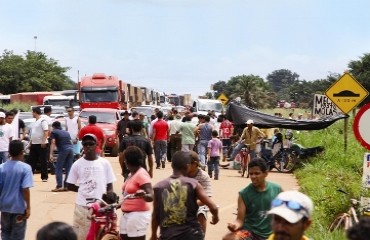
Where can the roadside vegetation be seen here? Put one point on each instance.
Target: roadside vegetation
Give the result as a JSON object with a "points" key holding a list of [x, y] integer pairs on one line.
{"points": [[23, 107], [320, 177]]}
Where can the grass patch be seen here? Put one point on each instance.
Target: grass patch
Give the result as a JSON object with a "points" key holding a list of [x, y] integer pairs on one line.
{"points": [[321, 176]]}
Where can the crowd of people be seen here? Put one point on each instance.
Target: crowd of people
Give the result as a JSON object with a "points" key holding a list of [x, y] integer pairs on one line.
{"points": [[181, 202]]}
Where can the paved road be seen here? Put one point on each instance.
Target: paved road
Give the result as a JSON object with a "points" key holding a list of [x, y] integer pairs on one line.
{"points": [[47, 206]]}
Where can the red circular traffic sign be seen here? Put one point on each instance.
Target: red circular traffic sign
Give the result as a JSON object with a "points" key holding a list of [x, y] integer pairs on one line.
{"points": [[361, 126]]}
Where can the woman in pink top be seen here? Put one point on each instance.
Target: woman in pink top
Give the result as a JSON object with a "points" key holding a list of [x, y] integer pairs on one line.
{"points": [[136, 215]]}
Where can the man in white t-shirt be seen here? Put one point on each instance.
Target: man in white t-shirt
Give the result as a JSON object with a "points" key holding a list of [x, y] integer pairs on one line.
{"points": [[6, 135], [90, 176], [39, 144], [73, 126]]}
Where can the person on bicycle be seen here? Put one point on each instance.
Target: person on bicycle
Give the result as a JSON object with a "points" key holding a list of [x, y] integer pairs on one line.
{"points": [[252, 222], [251, 136], [96, 216], [291, 213], [136, 211]]}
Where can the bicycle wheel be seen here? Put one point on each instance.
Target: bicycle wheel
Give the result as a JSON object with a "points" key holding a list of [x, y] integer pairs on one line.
{"points": [[242, 164], [341, 222], [285, 161], [247, 156]]}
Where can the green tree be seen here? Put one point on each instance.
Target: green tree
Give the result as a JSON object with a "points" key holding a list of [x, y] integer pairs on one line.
{"points": [[33, 72], [220, 87], [360, 69], [253, 91], [281, 80]]}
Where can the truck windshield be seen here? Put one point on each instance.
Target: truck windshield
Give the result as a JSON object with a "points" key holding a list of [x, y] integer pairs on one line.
{"points": [[101, 117], [209, 106], [57, 102], [100, 96]]}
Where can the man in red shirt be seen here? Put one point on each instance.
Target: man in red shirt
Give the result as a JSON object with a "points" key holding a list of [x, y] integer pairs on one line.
{"points": [[97, 131], [226, 130], [160, 138]]}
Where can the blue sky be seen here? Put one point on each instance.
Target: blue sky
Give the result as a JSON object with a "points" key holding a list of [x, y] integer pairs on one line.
{"points": [[184, 46]]}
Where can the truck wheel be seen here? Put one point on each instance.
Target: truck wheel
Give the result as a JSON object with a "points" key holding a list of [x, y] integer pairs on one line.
{"points": [[114, 151]]}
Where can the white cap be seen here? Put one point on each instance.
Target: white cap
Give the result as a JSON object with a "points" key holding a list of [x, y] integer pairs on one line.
{"points": [[2, 115], [250, 121], [289, 214]]}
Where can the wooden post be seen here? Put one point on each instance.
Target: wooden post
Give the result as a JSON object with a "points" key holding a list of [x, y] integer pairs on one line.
{"points": [[345, 133]]}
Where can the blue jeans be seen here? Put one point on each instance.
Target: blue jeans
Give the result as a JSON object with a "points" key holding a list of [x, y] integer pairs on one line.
{"points": [[160, 151], [213, 164], [202, 151], [3, 157], [237, 149], [10, 229], [64, 160]]}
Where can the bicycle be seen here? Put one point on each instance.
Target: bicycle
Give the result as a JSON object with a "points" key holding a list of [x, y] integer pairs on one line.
{"points": [[347, 219], [243, 157], [104, 219], [285, 160]]}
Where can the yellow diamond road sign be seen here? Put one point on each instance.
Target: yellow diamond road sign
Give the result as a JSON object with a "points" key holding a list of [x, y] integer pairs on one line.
{"points": [[346, 93], [223, 98]]}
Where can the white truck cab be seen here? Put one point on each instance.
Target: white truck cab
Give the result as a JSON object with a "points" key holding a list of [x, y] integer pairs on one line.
{"points": [[58, 100], [202, 106]]}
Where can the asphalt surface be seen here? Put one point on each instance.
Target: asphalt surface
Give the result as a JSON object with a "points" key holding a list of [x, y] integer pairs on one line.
{"points": [[47, 206]]}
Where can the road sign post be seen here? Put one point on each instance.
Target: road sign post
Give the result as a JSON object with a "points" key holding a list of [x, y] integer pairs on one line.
{"points": [[346, 93]]}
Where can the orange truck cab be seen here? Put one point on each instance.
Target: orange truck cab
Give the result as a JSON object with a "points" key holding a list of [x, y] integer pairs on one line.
{"points": [[101, 91]]}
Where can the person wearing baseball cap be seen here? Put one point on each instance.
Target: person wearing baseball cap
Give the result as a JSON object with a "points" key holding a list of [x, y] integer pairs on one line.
{"points": [[291, 213], [250, 136], [90, 176]]}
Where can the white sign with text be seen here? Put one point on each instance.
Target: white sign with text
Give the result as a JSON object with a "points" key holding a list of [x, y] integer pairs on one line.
{"points": [[366, 171], [324, 107]]}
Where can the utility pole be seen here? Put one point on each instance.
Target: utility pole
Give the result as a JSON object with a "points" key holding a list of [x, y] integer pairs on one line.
{"points": [[35, 37]]}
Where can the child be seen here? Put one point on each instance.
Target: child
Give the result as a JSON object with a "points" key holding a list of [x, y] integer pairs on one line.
{"points": [[99, 218], [214, 153], [15, 182]]}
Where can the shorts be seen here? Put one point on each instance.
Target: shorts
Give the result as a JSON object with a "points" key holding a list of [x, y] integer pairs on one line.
{"points": [[135, 224], [247, 235], [203, 210], [81, 224]]}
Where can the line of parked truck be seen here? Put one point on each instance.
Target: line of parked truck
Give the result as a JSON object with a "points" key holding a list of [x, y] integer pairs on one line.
{"points": [[100, 91], [105, 91]]}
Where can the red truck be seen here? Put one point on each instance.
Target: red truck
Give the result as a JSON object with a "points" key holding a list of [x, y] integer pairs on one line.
{"points": [[101, 91], [34, 98]]}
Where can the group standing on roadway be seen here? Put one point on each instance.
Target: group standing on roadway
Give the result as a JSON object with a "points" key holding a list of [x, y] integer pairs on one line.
{"points": [[181, 202]]}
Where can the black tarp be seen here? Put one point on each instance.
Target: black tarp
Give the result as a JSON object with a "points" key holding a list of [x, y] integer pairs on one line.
{"points": [[239, 114]]}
